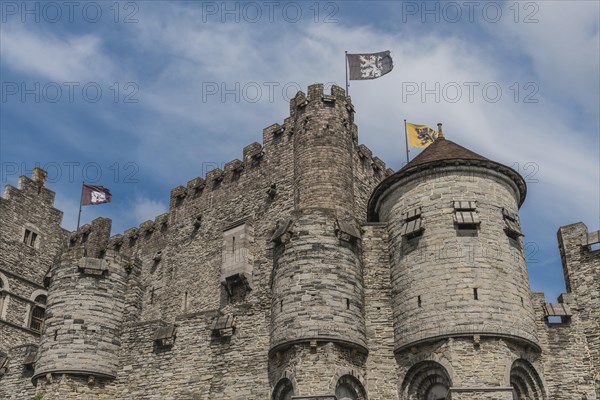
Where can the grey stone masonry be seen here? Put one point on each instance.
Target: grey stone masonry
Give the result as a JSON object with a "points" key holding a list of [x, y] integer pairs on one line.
{"points": [[317, 285], [451, 281], [581, 266], [86, 309], [302, 270]]}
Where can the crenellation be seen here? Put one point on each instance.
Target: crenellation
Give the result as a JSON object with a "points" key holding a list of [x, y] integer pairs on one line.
{"points": [[233, 167], [215, 176], [252, 151], [305, 270]]}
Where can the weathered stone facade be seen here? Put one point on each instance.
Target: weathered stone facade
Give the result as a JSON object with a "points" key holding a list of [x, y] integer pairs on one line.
{"points": [[306, 270]]}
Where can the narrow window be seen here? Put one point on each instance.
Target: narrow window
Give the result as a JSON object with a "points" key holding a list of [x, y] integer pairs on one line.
{"points": [[233, 245], [465, 215], [30, 238], [38, 313], [475, 294], [522, 303], [1, 297], [347, 304], [511, 224], [281, 305], [412, 223], [419, 300]]}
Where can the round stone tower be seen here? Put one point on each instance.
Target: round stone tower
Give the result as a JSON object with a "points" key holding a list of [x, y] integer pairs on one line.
{"points": [[317, 286], [458, 271], [86, 309]]}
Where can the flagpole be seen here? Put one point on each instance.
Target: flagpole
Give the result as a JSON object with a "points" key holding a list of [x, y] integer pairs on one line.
{"points": [[80, 201], [406, 140], [346, 67]]}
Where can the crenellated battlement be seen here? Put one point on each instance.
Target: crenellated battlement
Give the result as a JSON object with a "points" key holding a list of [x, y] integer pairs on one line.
{"points": [[311, 299], [317, 98], [307, 112], [93, 238], [33, 188]]}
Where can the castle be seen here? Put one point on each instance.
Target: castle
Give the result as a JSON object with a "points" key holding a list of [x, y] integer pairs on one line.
{"points": [[306, 270]]}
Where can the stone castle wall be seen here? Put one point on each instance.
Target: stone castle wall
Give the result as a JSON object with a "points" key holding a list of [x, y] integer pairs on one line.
{"points": [[265, 280]]}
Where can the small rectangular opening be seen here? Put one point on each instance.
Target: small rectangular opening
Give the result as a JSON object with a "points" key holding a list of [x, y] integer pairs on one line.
{"points": [[347, 304], [554, 320], [419, 301], [30, 238], [475, 294]]}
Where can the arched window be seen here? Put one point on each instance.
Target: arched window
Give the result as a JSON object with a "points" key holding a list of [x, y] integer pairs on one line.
{"points": [[284, 390], [38, 313], [349, 388], [525, 381], [426, 380]]}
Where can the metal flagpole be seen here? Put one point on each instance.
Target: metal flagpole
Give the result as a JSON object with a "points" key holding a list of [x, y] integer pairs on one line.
{"points": [[406, 140], [346, 65], [80, 201]]}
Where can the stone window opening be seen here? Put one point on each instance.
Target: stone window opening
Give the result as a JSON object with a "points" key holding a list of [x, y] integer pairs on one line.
{"points": [[284, 390], [475, 294], [412, 223], [38, 314], [512, 226], [526, 382], [30, 238], [465, 215], [426, 380], [419, 303], [350, 388], [347, 304]]}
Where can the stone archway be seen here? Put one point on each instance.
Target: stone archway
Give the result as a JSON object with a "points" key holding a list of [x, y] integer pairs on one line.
{"points": [[349, 388], [526, 382], [284, 390], [426, 380]]}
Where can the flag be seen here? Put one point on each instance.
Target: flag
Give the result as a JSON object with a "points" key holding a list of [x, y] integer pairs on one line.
{"points": [[93, 195], [370, 65], [420, 135]]}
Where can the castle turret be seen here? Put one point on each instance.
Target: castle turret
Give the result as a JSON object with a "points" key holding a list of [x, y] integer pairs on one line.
{"points": [[86, 308], [459, 276], [317, 281]]}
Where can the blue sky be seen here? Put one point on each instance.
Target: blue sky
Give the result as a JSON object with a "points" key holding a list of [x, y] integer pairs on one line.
{"points": [[130, 95]]}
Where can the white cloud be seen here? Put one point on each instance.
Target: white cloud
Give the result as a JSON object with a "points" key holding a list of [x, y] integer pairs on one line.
{"points": [[144, 209], [47, 56], [563, 48]]}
